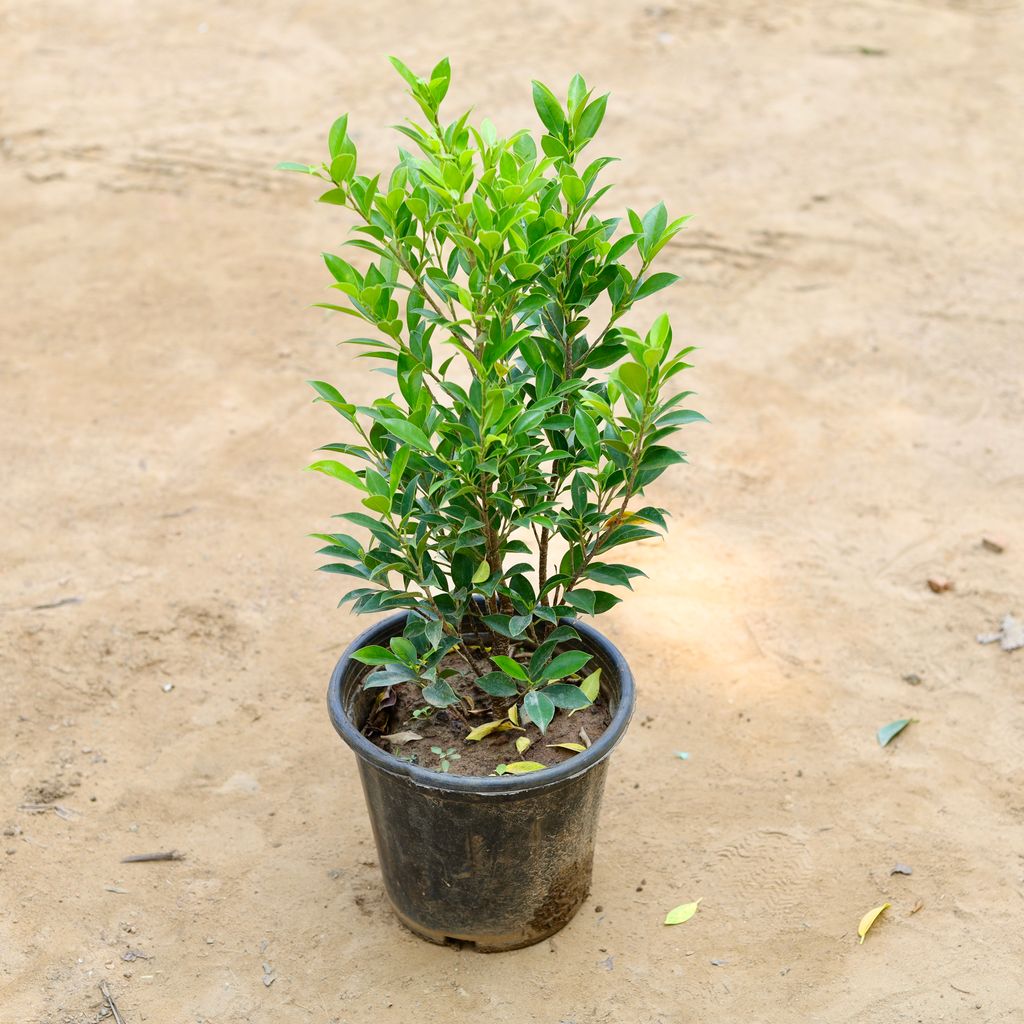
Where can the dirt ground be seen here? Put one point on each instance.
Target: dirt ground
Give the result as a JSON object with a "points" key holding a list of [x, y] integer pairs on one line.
{"points": [[853, 277]]}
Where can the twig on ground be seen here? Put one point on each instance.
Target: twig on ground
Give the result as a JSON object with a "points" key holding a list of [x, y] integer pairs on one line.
{"points": [[56, 604], [118, 1019], [141, 858]]}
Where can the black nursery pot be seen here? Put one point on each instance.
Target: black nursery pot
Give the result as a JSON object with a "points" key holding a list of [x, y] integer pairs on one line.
{"points": [[502, 861]]}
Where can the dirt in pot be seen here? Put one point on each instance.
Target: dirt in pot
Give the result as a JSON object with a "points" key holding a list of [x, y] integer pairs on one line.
{"points": [[392, 727]]}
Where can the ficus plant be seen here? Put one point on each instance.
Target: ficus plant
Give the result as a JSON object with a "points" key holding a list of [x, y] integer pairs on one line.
{"points": [[504, 469]]}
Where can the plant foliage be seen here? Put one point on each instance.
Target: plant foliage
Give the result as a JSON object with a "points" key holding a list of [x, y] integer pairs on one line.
{"points": [[502, 474]]}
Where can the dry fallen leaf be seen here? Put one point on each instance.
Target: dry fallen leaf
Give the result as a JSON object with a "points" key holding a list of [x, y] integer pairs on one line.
{"points": [[939, 584], [917, 906], [488, 727], [901, 869], [869, 919], [682, 913], [993, 544], [523, 744], [576, 748], [403, 737]]}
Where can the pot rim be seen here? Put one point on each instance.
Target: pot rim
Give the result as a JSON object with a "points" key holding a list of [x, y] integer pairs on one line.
{"points": [[500, 785]]}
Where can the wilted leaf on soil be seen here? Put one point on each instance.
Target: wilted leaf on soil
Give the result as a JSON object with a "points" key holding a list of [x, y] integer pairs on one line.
{"points": [[523, 744], [887, 732], [869, 919], [677, 915], [487, 728], [403, 737], [519, 768], [901, 869], [576, 748]]}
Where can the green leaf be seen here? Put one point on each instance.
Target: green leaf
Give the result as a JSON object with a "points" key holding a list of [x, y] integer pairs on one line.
{"points": [[572, 188], [591, 119], [375, 655], [682, 913], [583, 600], [508, 625], [565, 665], [335, 196], [654, 222], [331, 468], [655, 283], [634, 376], [497, 684], [893, 729], [410, 78], [591, 686], [680, 417], [540, 709], [404, 649], [408, 432], [586, 432], [338, 133], [287, 165], [548, 108], [659, 457], [440, 695], [659, 330], [483, 572], [392, 675], [567, 696], [509, 666]]}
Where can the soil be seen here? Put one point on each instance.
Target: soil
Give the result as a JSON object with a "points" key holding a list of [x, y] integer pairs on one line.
{"points": [[479, 757], [853, 279]]}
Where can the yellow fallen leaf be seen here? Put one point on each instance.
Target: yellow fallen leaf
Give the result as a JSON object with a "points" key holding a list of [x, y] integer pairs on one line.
{"points": [[869, 919], [522, 767], [523, 744], [576, 748], [487, 728], [513, 714], [677, 915]]}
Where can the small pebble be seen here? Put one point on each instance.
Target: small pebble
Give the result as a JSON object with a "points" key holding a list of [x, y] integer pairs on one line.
{"points": [[167, 687]]}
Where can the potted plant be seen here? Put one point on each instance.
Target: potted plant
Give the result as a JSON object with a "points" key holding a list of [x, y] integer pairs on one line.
{"points": [[500, 475]]}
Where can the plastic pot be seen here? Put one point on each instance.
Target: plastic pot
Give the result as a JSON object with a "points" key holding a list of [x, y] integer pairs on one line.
{"points": [[502, 861]]}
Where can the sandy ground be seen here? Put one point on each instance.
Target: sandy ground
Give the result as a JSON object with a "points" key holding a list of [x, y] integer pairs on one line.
{"points": [[854, 280]]}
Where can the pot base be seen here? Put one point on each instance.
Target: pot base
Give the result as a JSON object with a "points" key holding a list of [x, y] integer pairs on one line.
{"points": [[490, 943]]}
